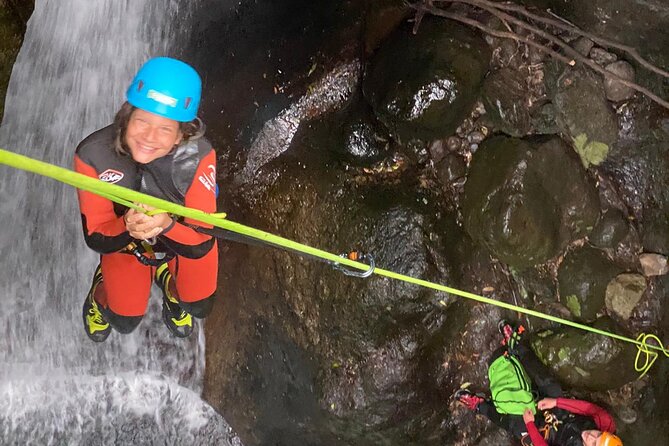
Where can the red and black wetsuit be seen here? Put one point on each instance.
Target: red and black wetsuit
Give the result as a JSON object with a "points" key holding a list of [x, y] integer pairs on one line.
{"points": [[186, 176], [573, 416]]}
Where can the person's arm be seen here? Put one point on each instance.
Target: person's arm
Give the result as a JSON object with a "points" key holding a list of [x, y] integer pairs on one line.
{"points": [[183, 239], [532, 431], [603, 420], [535, 436], [104, 231]]}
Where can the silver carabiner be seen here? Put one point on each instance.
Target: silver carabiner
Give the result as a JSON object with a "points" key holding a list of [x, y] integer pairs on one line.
{"points": [[356, 273]]}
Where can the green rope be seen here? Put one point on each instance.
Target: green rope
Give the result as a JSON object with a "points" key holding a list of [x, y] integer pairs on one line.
{"points": [[128, 197]]}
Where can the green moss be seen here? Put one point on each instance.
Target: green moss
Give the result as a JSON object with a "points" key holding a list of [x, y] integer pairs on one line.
{"points": [[591, 152], [573, 304], [563, 354]]}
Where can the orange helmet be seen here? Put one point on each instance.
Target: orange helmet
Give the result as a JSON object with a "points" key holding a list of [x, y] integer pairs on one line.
{"points": [[608, 439]]}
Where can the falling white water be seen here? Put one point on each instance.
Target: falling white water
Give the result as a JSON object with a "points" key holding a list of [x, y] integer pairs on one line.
{"points": [[57, 386]]}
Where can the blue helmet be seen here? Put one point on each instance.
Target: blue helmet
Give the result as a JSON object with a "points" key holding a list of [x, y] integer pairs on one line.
{"points": [[166, 87]]}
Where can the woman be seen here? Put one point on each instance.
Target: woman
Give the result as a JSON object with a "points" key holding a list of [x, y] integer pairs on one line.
{"points": [[155, 146], [563, 421]]}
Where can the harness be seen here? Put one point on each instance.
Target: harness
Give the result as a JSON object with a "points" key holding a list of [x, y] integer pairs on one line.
{"points": [[140, 248], [552, 423]]}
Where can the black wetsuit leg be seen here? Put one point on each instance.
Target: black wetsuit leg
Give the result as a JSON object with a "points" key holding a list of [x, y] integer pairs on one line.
{"points": [[542, 379], [513, 424]]}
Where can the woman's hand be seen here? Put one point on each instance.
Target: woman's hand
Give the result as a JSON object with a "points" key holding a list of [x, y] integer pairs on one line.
{"points": [[528, 416], [547, 403], [144, 227]]}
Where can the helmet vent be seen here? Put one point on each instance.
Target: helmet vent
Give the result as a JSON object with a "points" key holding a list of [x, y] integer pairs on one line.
{"points": [[140, 85], [187, 102]]}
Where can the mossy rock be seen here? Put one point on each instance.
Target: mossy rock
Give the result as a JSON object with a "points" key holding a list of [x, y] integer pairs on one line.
{"points": [[611, 228], [587, 360], [584, 114], [517, 209], [582, 279]]}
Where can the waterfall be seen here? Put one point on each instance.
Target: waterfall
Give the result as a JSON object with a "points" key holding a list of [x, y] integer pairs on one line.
{"points": [[57, 386]]}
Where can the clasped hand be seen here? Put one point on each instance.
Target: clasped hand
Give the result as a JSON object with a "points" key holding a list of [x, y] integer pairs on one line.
{"points": [[142, 226], [544, 404]]}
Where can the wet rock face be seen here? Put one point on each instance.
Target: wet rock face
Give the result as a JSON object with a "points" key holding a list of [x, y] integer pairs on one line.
{"points": [[616, 91], [353, 134], [312, 346], [623, 294], [517, 211], [584, 114], [422, 86], [638, 23], [586, 360], [582, 280], [611, 228], [641, 171], [383, 16], [504, 96], [13, 19]]}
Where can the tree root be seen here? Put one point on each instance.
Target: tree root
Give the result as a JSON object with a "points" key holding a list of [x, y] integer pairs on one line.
{"points": [[497, 9]]}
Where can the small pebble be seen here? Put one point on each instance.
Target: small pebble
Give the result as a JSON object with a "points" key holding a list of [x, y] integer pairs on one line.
{"points": [[583, 45], [476, 137], [453, 143], [602, 57]]}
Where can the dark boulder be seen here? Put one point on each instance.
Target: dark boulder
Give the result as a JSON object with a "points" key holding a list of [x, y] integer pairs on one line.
{"points": [[520, 213], [587, 360], [582, 278], [422, 86]]}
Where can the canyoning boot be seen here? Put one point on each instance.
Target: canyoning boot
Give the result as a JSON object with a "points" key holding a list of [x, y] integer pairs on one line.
{"points": [[97, 328], [179, 322], [510, 334], [468, 399]]}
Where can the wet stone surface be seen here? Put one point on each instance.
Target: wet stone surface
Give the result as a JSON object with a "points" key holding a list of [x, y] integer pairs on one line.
{"points": [[312, 357], [586, 360], [421, 86], [611, 228], [583, 113], [583, 277], [523, 216], [624, 293], [505, 95]]}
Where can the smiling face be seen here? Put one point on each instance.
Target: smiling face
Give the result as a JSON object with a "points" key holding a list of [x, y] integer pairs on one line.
{"points": [[150, 136], [590, 438]]}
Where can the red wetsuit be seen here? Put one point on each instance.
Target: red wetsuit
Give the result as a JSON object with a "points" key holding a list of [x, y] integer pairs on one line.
{"points": [[186, 176], [603, 422]]}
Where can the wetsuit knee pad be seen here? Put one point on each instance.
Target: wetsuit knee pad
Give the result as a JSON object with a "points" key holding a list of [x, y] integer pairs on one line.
{"points": [[199, 309], [122, 324]]}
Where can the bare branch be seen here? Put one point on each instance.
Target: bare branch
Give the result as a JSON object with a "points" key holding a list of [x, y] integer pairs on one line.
{"points": [[575, 55], [492, 32], [563, 25]]}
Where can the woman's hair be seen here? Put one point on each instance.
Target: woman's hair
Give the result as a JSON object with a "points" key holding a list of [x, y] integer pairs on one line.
{"points": [[192, 130]]}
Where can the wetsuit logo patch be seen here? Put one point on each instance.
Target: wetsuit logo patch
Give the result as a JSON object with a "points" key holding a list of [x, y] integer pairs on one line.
{"points": [[208, 179], [111, 176]]}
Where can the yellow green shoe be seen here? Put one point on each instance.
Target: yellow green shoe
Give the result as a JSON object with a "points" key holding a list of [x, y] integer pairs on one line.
{"points": [[178, 321], [95, 325]]}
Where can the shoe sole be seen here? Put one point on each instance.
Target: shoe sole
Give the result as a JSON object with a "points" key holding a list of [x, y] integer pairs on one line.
{"points": [[93, 337], [167, 319], [84, 311]]}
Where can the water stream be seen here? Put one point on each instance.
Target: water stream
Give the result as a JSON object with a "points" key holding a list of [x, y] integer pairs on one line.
{"points": [[57, 386]]}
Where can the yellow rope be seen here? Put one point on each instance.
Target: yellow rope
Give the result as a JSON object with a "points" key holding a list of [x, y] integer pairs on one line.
{"points": [[129, 197], [650, 356]]}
